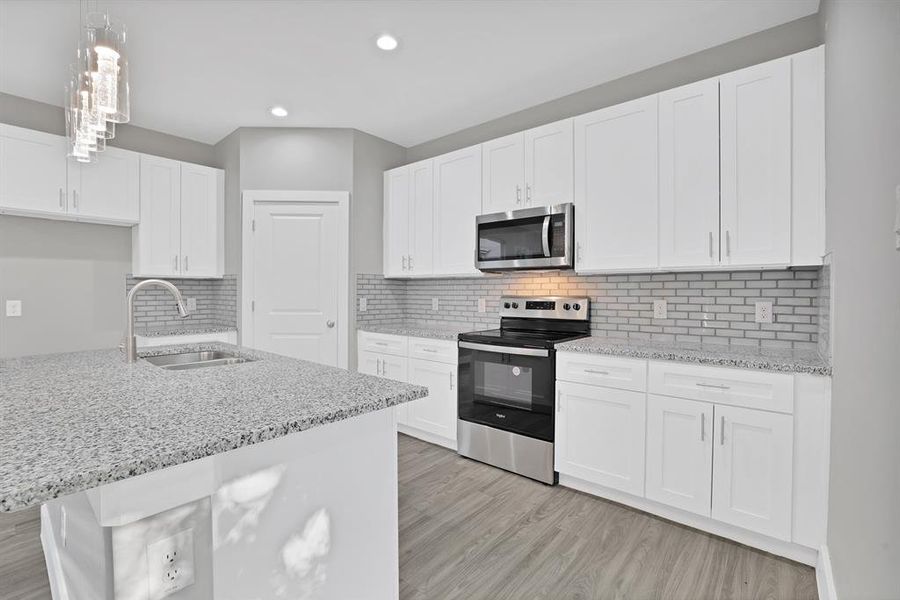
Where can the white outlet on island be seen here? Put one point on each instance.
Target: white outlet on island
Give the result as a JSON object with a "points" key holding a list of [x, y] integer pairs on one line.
{"points": [[170, 564]]}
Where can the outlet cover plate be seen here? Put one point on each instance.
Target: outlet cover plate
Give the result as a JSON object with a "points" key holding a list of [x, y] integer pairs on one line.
{"points": [[192, 304], [363, 304], [763, 312], [482, 305], [434, 304], [170, 564], [660, 309], [13, 308]]}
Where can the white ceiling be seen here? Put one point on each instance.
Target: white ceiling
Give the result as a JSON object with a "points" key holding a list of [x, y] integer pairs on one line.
{"points": [[201, 68]]}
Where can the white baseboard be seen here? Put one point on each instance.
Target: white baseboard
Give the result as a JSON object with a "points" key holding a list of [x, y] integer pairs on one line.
{"points": [[427, 437], [825, 576]]}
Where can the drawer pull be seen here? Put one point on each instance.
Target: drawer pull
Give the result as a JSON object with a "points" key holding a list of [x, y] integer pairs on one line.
{"points": [[715, 386], [596, 372], [702, 426], [722, 432], [432, 350], [385, 344]]}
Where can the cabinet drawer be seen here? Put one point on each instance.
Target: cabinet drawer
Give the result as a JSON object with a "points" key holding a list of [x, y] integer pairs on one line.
{"points": [[735, 387], [383, 343], [597, 369], [444, 351]]}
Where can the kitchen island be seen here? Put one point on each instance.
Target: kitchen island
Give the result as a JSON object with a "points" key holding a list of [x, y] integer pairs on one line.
{"points": [[260, 461]]}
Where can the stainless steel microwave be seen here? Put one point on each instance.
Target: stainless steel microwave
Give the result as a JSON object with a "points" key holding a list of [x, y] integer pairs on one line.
{"points": [[531, 238]]}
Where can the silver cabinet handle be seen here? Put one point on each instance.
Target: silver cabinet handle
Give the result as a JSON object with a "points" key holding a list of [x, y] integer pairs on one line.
{"points": [[429, 350], [176, 263], [410, 262], [702, 426], [75, 199], [596, 372], [329, 323], [380, 343], [378, 366], [404, 262], [518, 194], [722, 432], [451, 380], [62, 201], [185, 263], [528, 192], [727, 243], [578, 256], [558, 401], [715, 386], [711, 244]]}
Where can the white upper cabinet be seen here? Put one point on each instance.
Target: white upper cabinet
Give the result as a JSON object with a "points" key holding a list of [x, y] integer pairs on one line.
{"points": [[752, 470], [202, 221], [503, 174], [756, 164], [108, 188], [32, 171], [421, 219], [548, 164], [396, 222], [616, 192], [181, 233], [457, 201], [689, 175]]}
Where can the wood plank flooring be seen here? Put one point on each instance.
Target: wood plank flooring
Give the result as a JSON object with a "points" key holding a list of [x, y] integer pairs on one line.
{"points": [[470, 531]]}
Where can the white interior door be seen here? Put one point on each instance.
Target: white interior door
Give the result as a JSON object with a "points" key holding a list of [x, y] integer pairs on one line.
{"points": [[296, 279]]}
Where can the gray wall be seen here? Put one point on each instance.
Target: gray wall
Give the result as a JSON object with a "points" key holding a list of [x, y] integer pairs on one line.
{"points": [[862, 120], [795, 36], [70, 276]]}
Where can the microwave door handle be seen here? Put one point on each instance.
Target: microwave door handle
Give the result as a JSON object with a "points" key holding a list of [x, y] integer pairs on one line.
{"points": [[545, 238]]}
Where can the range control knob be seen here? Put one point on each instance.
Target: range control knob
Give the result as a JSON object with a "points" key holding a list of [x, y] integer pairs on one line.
{"points": [[506, 305], [515, 305], [566, 306], [576, 306]]}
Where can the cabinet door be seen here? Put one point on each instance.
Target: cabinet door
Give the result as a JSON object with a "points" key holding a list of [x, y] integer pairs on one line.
{"points": [[107, 189], [756, 164], [396, 222], [457, 201], [368, 363], [689, 175], [616, 187], [32, 171], [600, 435], [421, 218], [752, 470], [549, 175], [394, 367], [679, 453], [202, 221], [436, 413], [157, 239], [503, 174]]}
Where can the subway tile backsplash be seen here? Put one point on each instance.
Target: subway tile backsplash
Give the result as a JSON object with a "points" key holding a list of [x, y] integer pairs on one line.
{"points": [[216, 303], [706, 307]]}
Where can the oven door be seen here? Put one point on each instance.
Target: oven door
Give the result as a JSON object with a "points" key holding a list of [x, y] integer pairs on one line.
{"points": [[508, 388], [534, 238]]}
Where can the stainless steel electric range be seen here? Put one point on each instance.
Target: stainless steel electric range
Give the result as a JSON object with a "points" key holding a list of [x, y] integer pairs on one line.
{"points": [[507, 383]]}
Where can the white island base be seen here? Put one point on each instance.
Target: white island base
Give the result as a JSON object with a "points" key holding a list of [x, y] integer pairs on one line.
{"points": [[282, 519]]}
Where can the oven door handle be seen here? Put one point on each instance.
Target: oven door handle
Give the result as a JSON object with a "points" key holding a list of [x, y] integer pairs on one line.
{"points": [[545, 237], [505, 349]]}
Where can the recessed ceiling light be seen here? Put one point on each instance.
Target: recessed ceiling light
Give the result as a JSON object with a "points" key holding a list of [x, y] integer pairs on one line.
{"points": [[278, 111], [386, 42]]}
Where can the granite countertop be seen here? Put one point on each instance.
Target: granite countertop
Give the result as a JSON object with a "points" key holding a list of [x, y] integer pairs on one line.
{"points": [[422, 330], [70, 422], [182, 330], [745, 357]]}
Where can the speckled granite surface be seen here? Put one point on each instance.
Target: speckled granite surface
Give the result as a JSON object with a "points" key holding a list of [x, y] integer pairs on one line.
{"points": [[745, 357], [70, 422], [422, 330], [186, 330]]}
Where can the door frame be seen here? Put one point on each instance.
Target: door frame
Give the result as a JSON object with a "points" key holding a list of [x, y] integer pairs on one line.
{"points": [[334, 198]]}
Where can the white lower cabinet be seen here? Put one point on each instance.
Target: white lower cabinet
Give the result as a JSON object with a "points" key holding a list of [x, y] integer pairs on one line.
{"points": [[600, 435], [680, 453], [752, 472], [383, 365], [435, 413]]}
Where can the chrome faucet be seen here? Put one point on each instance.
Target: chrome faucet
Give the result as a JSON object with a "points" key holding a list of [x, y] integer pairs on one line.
{"points": [[130, 342]]}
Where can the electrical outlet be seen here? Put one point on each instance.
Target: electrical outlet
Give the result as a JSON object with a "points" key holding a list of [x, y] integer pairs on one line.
{"points": [[363, 304], [170, 564], [482, 305], [192, 304], [763, 312], [660, 309], [13, 308], [434, 304]]}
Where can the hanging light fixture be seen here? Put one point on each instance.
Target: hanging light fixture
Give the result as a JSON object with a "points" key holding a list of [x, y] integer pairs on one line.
{"points": [[97, 91]]}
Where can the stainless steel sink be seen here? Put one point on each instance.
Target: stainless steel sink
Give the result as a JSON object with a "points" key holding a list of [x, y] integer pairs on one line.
{"points": [[196, 360]]}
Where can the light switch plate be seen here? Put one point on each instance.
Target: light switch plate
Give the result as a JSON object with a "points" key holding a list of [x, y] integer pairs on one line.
{"points": [[192, 304], [660, 309], [13, 308], [763, 312], [363, 304], [482, 305]]}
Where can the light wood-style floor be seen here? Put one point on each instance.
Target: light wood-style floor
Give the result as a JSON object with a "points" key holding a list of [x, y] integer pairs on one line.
{"points": [[471, 531]]}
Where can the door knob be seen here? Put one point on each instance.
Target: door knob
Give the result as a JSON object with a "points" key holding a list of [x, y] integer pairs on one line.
{"points": [[329, 323]]}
